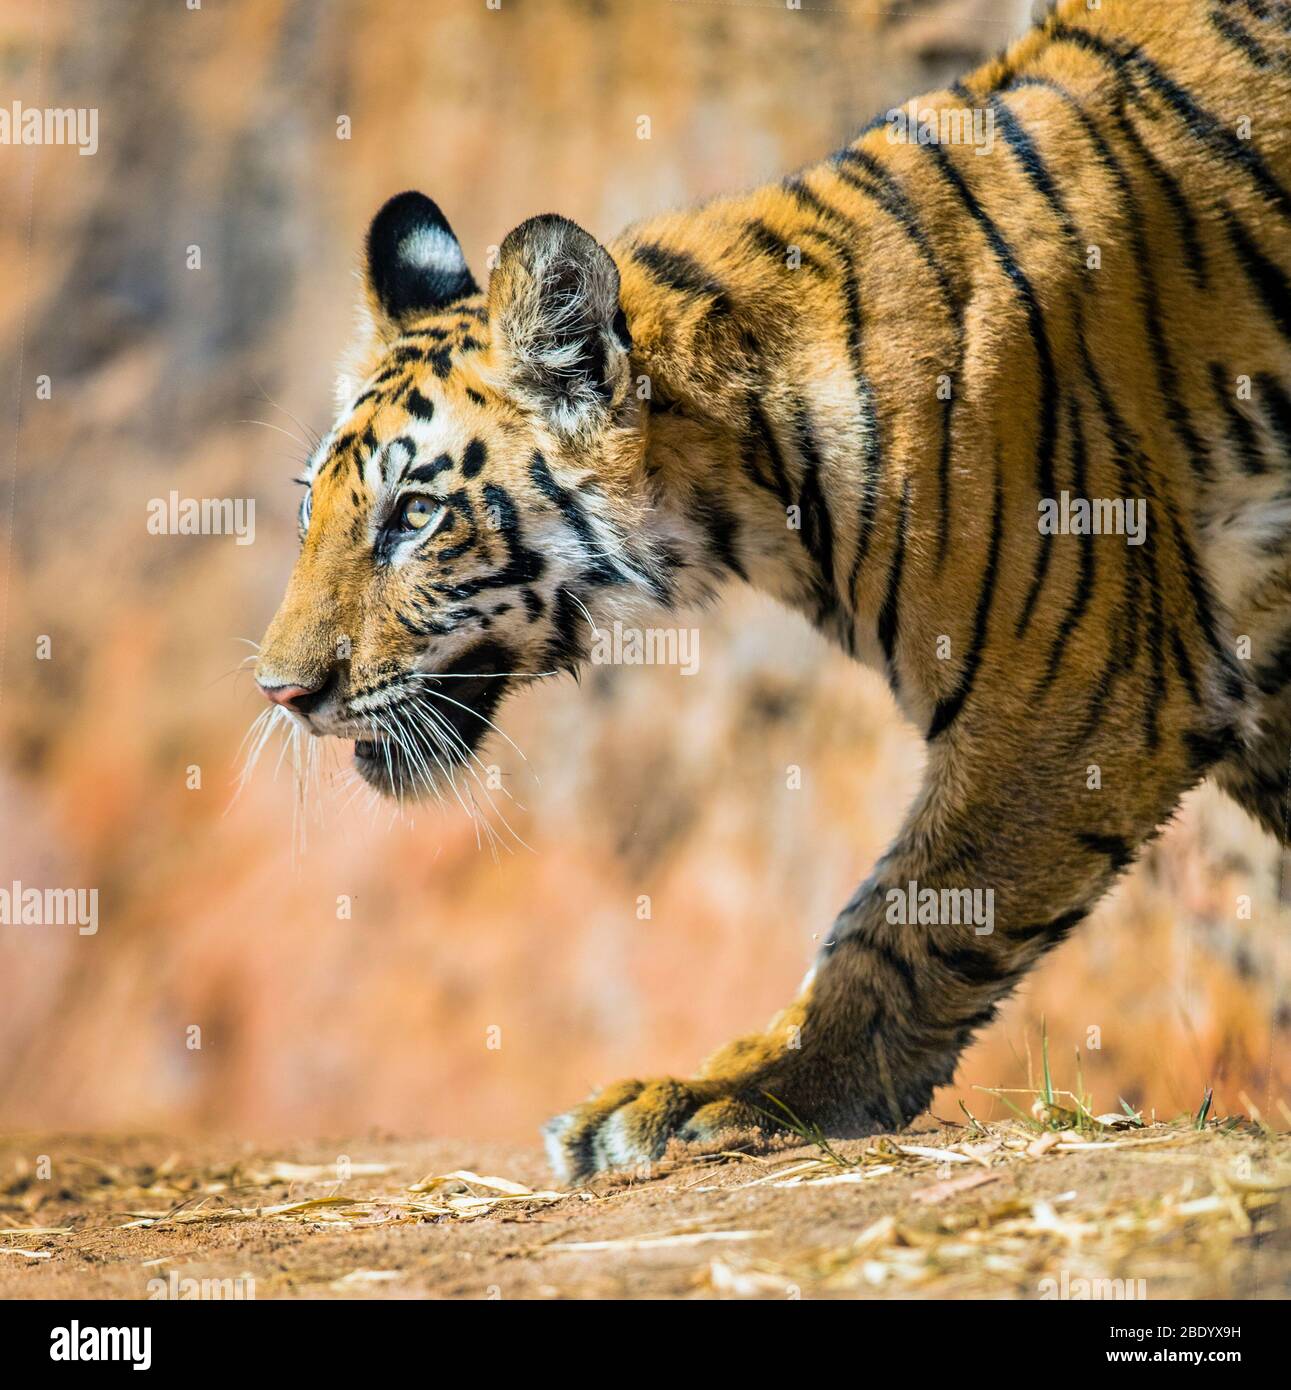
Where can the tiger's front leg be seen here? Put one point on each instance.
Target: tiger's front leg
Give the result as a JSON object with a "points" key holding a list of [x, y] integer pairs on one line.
{"points": [[967, 899]]}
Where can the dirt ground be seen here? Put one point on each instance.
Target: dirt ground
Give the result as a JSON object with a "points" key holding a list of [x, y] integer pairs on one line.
{"points": [[1011, 1210]]}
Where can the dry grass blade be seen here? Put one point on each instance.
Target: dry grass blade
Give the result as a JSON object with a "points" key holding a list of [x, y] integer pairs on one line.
{"points": [[464, 1176], [941, 1191]]}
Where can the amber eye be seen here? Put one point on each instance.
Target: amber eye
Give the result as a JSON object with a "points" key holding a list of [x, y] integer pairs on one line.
{"points": [[418, 513]]}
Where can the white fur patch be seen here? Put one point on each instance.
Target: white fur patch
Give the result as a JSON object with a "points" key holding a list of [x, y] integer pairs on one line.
{"points": [[616, 1144], [1250, 513], [432, 248], [552, 1132]]}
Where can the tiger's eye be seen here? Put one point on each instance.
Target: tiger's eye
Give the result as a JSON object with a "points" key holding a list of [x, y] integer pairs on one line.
{"points": [[417, 512]]}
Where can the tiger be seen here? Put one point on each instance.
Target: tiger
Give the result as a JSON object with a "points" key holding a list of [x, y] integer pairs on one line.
{"points": [[997, 397]]}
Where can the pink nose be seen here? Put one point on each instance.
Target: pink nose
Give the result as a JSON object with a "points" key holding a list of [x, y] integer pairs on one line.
{"points": [[286, 695]]}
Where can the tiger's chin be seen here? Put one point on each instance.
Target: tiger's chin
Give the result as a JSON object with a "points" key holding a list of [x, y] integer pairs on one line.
{"points": [[425, 749], [407, 773]]}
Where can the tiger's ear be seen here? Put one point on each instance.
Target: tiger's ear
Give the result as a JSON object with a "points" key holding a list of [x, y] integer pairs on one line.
{"points": [[414, 263], [562, 336]]}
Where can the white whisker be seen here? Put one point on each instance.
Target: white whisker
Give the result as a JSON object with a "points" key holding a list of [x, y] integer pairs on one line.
{"points": [[590, 621]]}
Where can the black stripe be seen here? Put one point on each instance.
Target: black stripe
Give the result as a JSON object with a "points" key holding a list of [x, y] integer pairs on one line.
{"points": [[1048, 385], [430, 628], [817, 530], [943, 477], [428, 472], [871, 429], [523, 565], [1247, 44], [1136, 482], [1118, 851], [677, 270], [1188, 234], [1269, 281], [1207, 748], [798, 190], [776, 248], [1037, 173], [889, 614], [1122, 655], [1183, 664], [1136, 476], [1124, 651], [1189, 229], [1033, 165], [563, 649], [979, 1020], [417, 404], [1272, 675], [891, 198], [761, 434], [1199, 588], [1129, 61], [751, 451], [895, 962], [1194, 447], [1241, 432], [1052, 931], [534, 606], [976, 967], [474, 458], [1277, 410], [722, 528], [598, 569], [1080, 599], [948, 710]]}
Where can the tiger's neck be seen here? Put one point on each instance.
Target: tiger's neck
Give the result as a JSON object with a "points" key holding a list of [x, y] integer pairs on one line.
{"points": [[799, 403], [844, 371], [767, 441]]}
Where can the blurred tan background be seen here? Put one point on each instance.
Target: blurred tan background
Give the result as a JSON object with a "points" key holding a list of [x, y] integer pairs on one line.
{"points": [[218, 128]]}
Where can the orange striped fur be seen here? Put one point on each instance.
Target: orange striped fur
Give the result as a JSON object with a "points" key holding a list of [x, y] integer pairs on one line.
{"points": [[865, 390]]}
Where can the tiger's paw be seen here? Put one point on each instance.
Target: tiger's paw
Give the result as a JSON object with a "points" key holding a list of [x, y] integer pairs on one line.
{"points": [[633, 1122]]}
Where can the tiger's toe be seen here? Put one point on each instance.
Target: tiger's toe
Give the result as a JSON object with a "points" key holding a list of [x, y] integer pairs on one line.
{"points": [[633, 1122]]}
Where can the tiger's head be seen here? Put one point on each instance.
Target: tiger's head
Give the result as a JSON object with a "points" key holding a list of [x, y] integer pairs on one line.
{"points": [[482, 488]]}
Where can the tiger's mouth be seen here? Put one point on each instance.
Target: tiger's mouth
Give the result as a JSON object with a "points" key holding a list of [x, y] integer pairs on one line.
{"points": [[419, 745]]}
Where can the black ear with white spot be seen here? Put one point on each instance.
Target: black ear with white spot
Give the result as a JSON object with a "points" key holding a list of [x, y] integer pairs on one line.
{"points": [[414, 262], [554, 308]]}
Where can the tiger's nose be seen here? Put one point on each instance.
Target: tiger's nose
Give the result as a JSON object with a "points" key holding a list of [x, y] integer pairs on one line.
{"points": [[293, 697]]}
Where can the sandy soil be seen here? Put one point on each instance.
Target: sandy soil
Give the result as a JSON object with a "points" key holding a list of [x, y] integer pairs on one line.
{"points": [[997, 1212]]}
